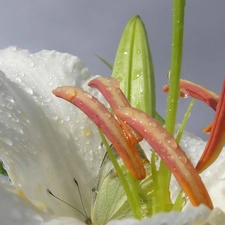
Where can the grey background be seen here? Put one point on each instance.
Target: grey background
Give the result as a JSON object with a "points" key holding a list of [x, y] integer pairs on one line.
{"points": [[83, 28]]}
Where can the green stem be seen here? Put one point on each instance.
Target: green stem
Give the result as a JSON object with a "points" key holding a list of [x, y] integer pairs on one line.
{"points": [[184, 122], [176, 62], [179, 202], [174, 90]]}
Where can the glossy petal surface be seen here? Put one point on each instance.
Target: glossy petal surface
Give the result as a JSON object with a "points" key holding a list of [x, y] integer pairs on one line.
{"points": [[19, 211], [46, 142]]}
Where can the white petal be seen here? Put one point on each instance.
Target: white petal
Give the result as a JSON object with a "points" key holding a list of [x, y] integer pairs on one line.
{"points": [[214, 180], [45, 142], [19, 211], [193, 216], [214, 176]]}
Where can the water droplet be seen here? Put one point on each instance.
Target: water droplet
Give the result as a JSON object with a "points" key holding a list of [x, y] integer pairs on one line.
{"points": [[7, 140], [183, 158], [14, 118], [13, 65], [9, 98], [220, 175], [185, 95], [22, 74], [86, 132], [13, 48], [88, 95], [185, 197], [109, 115], [207, 173], [60, 121], [67, 118], [55, 117], [109, 88], [159, 142], [125, 53], [29, 90], [162, 150], [31, 64], [163, 134], [19, 130], [18, 79], [172, 143], [50, 83], [153, 124], [47, 99]]}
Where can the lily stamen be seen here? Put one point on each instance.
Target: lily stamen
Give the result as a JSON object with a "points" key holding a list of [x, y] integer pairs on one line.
{"points": [[159, 139]]}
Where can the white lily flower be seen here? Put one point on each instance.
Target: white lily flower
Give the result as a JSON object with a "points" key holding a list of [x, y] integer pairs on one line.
{"points": [[45, 142]]}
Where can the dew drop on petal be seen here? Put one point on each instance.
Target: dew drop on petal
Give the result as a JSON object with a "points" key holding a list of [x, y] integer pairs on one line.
{"points": [[50, 83], [14, 118], [220, 175], [31, 64], [29, 90], [60, 121], [13, 48], [9, 99], [67, 118], [19, 130], [47, 99], [86, 132], [7, 140], [55, 117], [207, 173]]}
